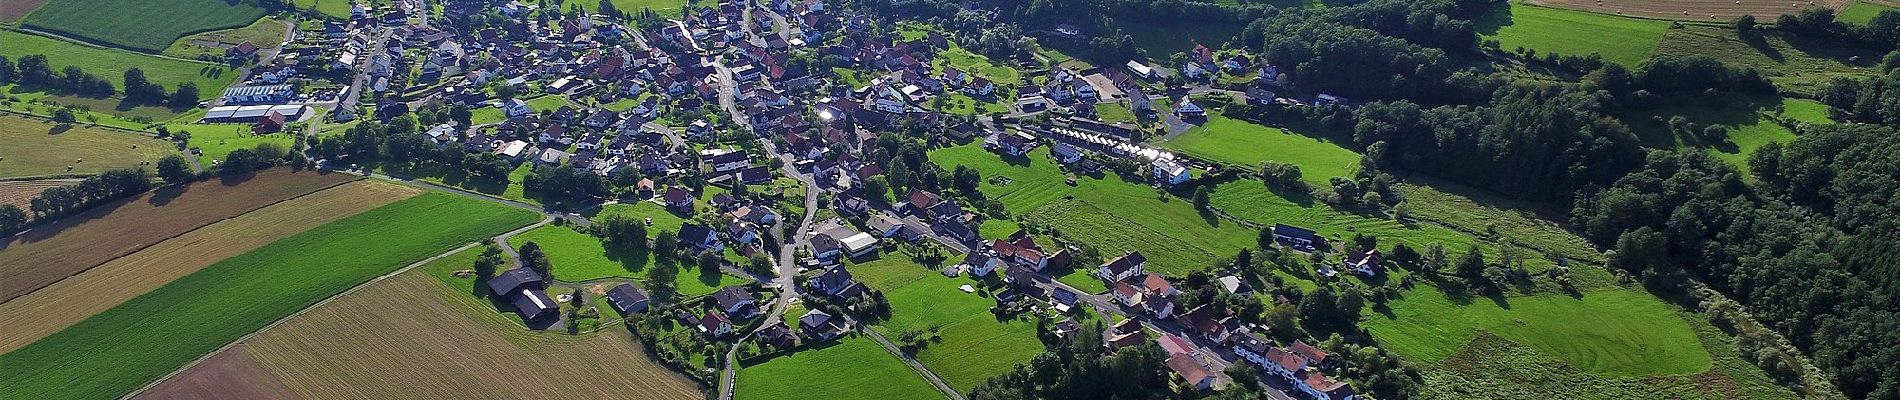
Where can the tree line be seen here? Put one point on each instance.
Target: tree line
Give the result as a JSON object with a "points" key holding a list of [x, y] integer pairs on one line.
{"points": [[33, 71], [58, 202]]}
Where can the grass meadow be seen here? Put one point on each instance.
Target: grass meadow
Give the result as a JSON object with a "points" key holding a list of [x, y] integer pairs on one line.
{"points": [[1617, 332], [214, 141], [36, 147], [972, 345], [1795, 63], [1231, 141], [143, 25], [1861, 12], [337, 9], [851, 368], [579, 257], [121, 349], [978, 65], [1750, 126], [1626, 41], [265, 33], [111, 64]]}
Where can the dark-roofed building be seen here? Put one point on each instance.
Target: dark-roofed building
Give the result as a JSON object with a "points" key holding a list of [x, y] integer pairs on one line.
{"points": [[700, 238], [534, 304], [627, 299], [1298, 238], [1129, 264], [513, 281], [820, 325], [714, 324], [1128, 333], [836, 282], [735, 300], [778, 336]]}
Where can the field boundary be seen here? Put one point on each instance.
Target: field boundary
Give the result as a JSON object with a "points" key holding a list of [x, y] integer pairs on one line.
{"points": [[67, 37], [280, 321]]}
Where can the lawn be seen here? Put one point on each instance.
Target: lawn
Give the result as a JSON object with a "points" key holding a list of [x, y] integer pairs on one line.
{"points": [[144, 25], [1861, 12], [337, 9], [111, 64], [962, 104], [1617, 332], [1174, 236], [265, 33], [1795, 63], [1750, 126], [978, 65], [665, 8], [1160, 38], [37, 147], [1114, 112], [972, 344], [1244, 144], [215, 141], [851, 368], [1626, 41], [579, 257], [119, 350], [488, 114]]}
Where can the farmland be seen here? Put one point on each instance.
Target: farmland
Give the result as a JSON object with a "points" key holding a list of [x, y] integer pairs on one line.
{"points": [[218, 140], [112, 63], [1795, 63], [73, 244], [265, 34], [1161, 38], [37, 147], [21, 193], [231, 298], [851, 368], [1244, 144], [1694, 10], [1862, 12], [338, 9], [579, 257], [107, 285], [142, 25], [1471, 211], [972, 344], [1626, 41]]}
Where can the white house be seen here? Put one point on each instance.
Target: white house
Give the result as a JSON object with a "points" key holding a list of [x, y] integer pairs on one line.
{"points": [[1170, 172], [1129, 264], [516, 108]]}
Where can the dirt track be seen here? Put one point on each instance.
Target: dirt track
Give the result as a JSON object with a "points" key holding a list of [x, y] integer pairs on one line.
{"points": [[1698, 10]]}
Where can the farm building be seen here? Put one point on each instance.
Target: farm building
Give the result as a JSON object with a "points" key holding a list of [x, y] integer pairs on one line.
{"points": [[513, 281], [264, 94], [534, 304], [627, 299], [250, 114]]}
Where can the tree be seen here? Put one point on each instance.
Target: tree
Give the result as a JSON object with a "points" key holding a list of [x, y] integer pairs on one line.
{"points": [[64, 115], [12, 220], [185, 96], [239, 162], [174, 170], [1201, 201], [666, 244], [1471, 264], [1745, 27], [488, 262], [878, 187], [1265, 239], [535, 260]]}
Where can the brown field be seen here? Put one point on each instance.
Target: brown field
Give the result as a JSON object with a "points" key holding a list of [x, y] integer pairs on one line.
{"points": [[12, 10], [64, 303], [229, 375], [413, 336], [37, 147], [1698, 10], [21, 193], [71, 245]]}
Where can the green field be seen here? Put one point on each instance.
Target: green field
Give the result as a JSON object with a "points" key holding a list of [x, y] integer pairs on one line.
{"points": [[119, 350], [973, 345], [978, 65], [1114, 112], [338, 9], [1174, 236], [1609, 332], [1749, 127], [112, 64], [1797, 64], [1626, 41], [36, 147], [1230, 141], [218, 140], [1861, 12], [854, 367], [265, 33], [1473, 211], [489, 114], [144, 25], [580, 257], [1161, 39]]}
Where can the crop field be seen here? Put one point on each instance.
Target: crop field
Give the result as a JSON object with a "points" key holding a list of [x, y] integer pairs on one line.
{"points": [[36, 147], [851, 368], [144, 25], [239, 295], [112, 63], [1035, 192], [1795, 63], [1749, 127], [232, 374], [1244, 144], [1626, 41], [32, 316], [972, 345], [73, 244], [12, 10], [265, 33], [579, 257], [1695, 10], [339, 9], [360, 347], [21, 193]]}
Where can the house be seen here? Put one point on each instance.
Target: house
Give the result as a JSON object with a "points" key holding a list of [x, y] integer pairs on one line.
{"points": [[271, 123], [1023, 280], [679, 198], [1235, 285], [778, 336], [1296, 237], [1187, 109], [1253, 348], [885, 225], [1065, 328], [981, 263], [741, 232], [1172, 344], [1318, 386], [1065, 153], [836, 282], [860, 245], [515, 108], [534, 304], [735, 300], [1191, 370], [1207, 320], [699, 238], [1127, 333], [1363, 263], [627, 299], [821, 325], [513, 281], [714, 324], [1129, 264], [1169, 172], [1312, 355], [729, 162]]}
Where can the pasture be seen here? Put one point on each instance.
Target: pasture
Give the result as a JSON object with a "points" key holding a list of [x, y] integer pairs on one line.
{"points": [[1490, 366], [111, 64], [1750, 126], [1546, 30], [143, 25], [1618, 332], [972, 345], [1721, 11], [1174, 236], [36, 147], [265, 34], [1161, 38], [1795, 63], [21, 193], [237, 296], [579, 257], [853, 367], [978, 65], [358, 346], [1245, 144], [336, 9], [1862, 12], [76, 243], [215, 141], [1471, 210], [100, 288]]}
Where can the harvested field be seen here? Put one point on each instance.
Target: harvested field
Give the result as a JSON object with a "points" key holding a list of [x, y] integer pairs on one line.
{"points": [[73, 244], [37, 147], [360, 347], [1698, 10], [12, 10], [64, 303], [231, 374], [21, 193]]}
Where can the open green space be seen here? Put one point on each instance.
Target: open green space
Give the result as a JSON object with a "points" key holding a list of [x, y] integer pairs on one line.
{"points": [[1174, 236], [265, 33], [1114, 112], [854, 367], [338, 9], [489, 114], [962, 104], [581, 257], [1626, 41], [1494, 217], [665, 8], [218, 140], [1162, 38], [1618, 332], [978, 65], [111, 64], [119, 350], [1795, 63], [35, 147], [1749, 127], [1245, 144], [1861, 12], [144, 25], [971, 344]]}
